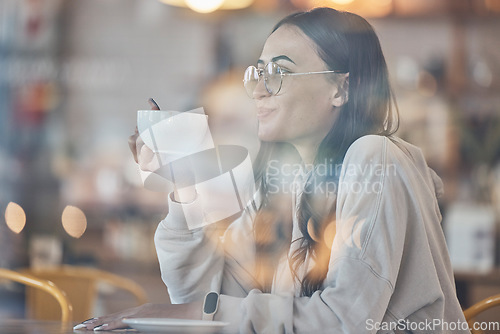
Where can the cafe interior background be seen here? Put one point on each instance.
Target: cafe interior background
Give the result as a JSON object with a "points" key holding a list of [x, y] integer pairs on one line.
{"points": [[73, 73]]}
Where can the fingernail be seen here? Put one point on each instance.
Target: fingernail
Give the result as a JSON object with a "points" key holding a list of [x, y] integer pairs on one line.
{"points": [[88, 320], [153, 103], [101, 327], [79, 326]]}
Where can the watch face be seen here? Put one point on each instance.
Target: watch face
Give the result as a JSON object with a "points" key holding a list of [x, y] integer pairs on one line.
{"points": [[210, 303]]}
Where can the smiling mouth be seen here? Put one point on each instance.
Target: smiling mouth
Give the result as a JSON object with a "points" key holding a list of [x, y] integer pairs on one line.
{"points": [[263, 113]]}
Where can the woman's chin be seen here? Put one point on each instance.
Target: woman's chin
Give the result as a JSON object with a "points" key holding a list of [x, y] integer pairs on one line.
{"points": [[267, 135]]}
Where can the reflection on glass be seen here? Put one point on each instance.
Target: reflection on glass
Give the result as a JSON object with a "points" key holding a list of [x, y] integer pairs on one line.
{"points": [[74, 221], [329, 234], [15, 217], [204, 6], [342, 2]]}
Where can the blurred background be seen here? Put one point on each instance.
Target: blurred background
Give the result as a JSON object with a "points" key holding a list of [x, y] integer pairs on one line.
{"points": [[73, 73]]}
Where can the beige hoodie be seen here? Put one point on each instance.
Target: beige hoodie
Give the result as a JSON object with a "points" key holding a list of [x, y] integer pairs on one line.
{"points": [[389, 269]]}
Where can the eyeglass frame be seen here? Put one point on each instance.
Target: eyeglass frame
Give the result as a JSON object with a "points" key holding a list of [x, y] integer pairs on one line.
{"points": [[260, 73]]}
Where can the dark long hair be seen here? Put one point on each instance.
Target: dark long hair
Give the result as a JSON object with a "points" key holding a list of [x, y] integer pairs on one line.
{"points": [[345, 42]]}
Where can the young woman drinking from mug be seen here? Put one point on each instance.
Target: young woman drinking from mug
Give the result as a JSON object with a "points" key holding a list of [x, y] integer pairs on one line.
{"points": [[356, 245]]}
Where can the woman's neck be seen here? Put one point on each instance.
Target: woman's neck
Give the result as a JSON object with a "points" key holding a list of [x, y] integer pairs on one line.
{"points": [[307, 146], [307, 152]]}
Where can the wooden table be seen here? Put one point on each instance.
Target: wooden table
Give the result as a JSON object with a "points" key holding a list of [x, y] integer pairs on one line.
{"points": [[23, 326]]}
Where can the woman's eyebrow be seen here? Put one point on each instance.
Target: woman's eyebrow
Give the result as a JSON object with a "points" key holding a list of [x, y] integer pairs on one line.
{"points": [[274, 59]]}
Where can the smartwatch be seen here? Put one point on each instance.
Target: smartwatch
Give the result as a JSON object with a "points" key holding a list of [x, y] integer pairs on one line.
{"points": [[210, 305]]}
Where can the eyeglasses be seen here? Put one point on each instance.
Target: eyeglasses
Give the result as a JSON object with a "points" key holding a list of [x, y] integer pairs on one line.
{"points": [[273, 77]]}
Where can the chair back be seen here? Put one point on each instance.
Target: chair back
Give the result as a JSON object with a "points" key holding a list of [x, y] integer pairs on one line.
{"points": [[63, 311], [80, 285], [480, 307]]}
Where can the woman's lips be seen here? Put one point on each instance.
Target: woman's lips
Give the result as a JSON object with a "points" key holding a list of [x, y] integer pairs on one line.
{"points": [[263, 113]]}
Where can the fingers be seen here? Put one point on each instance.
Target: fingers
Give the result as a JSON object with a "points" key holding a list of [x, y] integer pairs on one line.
{"points": [[153, 104], [139, 144], [135, 142], [113, 324], [113, 321], [146, 156], [143, 155], [132, 143], [89, 324], [102, 323], [84, 324]]}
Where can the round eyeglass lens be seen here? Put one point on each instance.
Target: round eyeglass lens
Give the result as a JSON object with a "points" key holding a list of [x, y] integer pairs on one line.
{"points": [[250, 80], [272, 74]]}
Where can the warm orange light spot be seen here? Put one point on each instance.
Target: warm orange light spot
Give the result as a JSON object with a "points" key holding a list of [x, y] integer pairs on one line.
{"points": [[204, 6], [15, 217], [310, 230], [493, 5], [365, 8], [341, 2], [329, 234], [74, 221]]}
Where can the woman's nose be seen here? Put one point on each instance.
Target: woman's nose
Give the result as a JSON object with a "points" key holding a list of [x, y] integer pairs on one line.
{"points": [[260, 90]]}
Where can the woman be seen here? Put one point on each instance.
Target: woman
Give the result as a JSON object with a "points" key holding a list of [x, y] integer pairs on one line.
{"points": [[321, 87]]}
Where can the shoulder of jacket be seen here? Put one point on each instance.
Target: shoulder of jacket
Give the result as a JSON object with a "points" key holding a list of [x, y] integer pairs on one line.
{"points": [[366, 148]]}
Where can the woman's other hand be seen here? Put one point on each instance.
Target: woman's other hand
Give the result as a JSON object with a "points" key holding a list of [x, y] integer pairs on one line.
{"points": [[114, 321]]}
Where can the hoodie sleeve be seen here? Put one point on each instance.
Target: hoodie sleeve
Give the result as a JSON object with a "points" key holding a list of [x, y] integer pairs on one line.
{"points": [[194, 262], [190, 260]]}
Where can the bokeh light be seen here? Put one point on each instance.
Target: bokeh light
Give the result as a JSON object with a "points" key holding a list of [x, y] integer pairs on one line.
{"points": [[341, 2], [15, 217], [329, 233], [74, 221], [204, 6]]}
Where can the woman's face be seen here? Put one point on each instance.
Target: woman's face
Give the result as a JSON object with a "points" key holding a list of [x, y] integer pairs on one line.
{"points": [[302, 112]]}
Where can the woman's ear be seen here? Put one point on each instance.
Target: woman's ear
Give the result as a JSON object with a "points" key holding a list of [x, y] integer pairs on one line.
{"points": [[341, 93]]}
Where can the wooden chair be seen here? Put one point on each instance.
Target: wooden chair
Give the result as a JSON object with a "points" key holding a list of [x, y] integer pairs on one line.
{"points": [[80, 285], [42, 285], [480, 307]]}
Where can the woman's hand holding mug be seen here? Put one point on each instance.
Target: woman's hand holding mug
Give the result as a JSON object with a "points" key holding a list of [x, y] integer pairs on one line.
{"points": [[182, 175]]}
